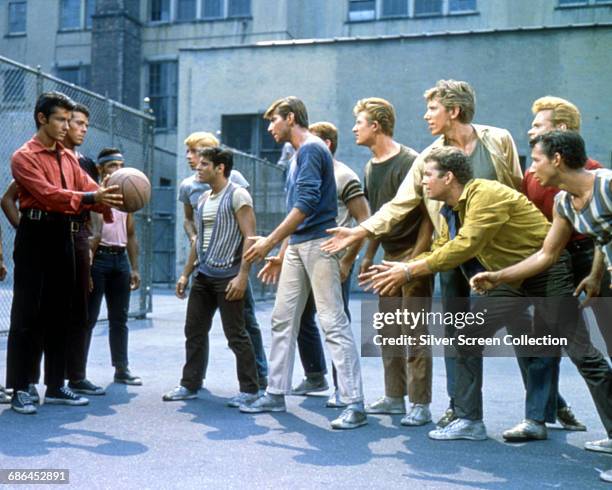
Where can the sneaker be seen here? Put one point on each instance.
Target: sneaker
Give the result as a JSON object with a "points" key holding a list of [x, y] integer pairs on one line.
{"points": [[419, 415], [311, 385], [179, 393], [601, 446], [387, 405], [568, 420], [64, 396], [124, 376], [4, 396], [241, 399], [606, 476], [473, 430], [334, 401], [448, 417], [33, 392], [22, 403], [86, 387], [265, 403], [351, 418], [527, 430]]}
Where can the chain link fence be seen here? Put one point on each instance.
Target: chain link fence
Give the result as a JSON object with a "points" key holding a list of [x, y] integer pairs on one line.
{"points": [[111, 125]]}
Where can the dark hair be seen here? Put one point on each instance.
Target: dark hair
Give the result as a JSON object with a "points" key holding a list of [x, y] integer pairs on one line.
{"points": [[326, 131], [81, 108], [284, 106], [568, 144], [219, 156], [451, 159], [48, 101], [108, 151]]}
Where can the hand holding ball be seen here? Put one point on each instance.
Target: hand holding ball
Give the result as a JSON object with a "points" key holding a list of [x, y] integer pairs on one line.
{"points": [[134, 186]]}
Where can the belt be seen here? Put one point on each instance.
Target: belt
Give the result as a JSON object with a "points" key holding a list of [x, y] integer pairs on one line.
{"points": [[582, 244], [110, 250], [33, 214]]}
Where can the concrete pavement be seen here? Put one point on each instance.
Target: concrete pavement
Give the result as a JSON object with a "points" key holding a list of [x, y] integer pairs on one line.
{"points": [[131, 439]]}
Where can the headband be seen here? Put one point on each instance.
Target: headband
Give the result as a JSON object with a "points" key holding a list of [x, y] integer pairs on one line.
{"points": [[113, 157]]}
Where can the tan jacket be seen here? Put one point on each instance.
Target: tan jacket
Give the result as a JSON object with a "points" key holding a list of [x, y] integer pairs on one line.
{"points": [[503, 152]]}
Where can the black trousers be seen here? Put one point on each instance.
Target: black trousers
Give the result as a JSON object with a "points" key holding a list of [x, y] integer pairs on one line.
{"points": [[44, 277], [78, 336], [206, 296]]}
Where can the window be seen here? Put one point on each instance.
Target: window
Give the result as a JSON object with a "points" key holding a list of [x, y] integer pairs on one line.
{"points": [[427, 7], [189, 10], [462, 5], [185, 10], [163, 78], [78, 75], [17, 17], [392, 8], [212, 9], [13, 86], [160, 11], [364, 10], [249, 133], [76, 14], [582, 3]]}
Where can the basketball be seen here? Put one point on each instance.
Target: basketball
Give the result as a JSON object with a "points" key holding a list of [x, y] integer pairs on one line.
{"points": [[134, 186]]}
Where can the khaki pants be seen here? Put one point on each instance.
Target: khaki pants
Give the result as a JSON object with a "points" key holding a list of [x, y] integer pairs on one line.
{"points": [[306, 268], [408, 373]]}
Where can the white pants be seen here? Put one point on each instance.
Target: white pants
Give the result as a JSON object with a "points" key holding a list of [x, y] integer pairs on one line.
{"points": [[305, 266]]}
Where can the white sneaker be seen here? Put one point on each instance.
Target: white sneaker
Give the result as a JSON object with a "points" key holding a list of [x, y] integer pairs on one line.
{"points": [[473, 430], [419, 415], [387, 405]]}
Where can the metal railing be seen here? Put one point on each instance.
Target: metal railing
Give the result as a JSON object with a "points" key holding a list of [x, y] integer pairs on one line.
{"points": [[111, 125]]}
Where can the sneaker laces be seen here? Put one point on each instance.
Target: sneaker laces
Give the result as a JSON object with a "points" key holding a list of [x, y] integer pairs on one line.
{"points": [[68, 393], [24, 398]]}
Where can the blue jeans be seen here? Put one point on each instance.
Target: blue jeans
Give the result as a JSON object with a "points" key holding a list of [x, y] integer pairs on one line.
{"points": [[309, 339], [254, 331], [110, 274]]}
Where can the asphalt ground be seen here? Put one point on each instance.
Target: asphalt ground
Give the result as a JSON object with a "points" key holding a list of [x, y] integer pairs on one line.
{"points": [[131, 439]]}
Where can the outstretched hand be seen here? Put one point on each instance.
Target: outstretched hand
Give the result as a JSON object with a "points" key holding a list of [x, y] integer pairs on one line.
{"points": [[342, 238], [258, 251], [485, 281]]}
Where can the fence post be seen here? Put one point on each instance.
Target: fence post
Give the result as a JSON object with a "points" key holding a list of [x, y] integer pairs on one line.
{"points": [[39, 81], [111, 121]]}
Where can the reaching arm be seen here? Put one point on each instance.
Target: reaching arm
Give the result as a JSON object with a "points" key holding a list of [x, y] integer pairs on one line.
{"points": [[551, 250], [359, 209], [263, 245], [9, 204], [189, 223], [132, 250], [238, 285]]}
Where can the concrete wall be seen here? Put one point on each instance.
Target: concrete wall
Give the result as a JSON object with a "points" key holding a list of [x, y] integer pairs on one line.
{"points": [[507, 70]]}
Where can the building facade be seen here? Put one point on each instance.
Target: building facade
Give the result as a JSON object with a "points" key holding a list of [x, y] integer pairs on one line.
{"points": [[216, 64]]}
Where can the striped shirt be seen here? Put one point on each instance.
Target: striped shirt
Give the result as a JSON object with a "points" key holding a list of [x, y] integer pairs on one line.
{"points": [[594, 219]]}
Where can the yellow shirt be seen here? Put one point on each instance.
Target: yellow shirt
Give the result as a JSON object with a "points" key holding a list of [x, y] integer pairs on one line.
{"points": [[499, 226], [503, 153]]}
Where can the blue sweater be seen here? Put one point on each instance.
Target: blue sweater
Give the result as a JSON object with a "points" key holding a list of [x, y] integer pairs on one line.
{"points": [[311, 188]]}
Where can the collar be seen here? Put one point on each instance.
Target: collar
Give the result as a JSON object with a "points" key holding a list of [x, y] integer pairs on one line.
{"points": [[464, 195], [37, 147]]}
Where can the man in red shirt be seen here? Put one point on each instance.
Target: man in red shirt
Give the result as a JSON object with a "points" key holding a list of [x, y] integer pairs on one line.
{"points": [[555, 113], [53, 191]]}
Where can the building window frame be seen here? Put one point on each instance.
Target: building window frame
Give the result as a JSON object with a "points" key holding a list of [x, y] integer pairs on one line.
{"points": [[84, 17], [81, 71], [573, 4], [377, 10], [164, 98], [225, 12], [261, 143], [19, 31]]}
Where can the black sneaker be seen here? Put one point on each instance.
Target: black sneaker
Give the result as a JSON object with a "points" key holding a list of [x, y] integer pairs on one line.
{"points": [[64, 396], [22, 403], [86, 387], [124, 376]]}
